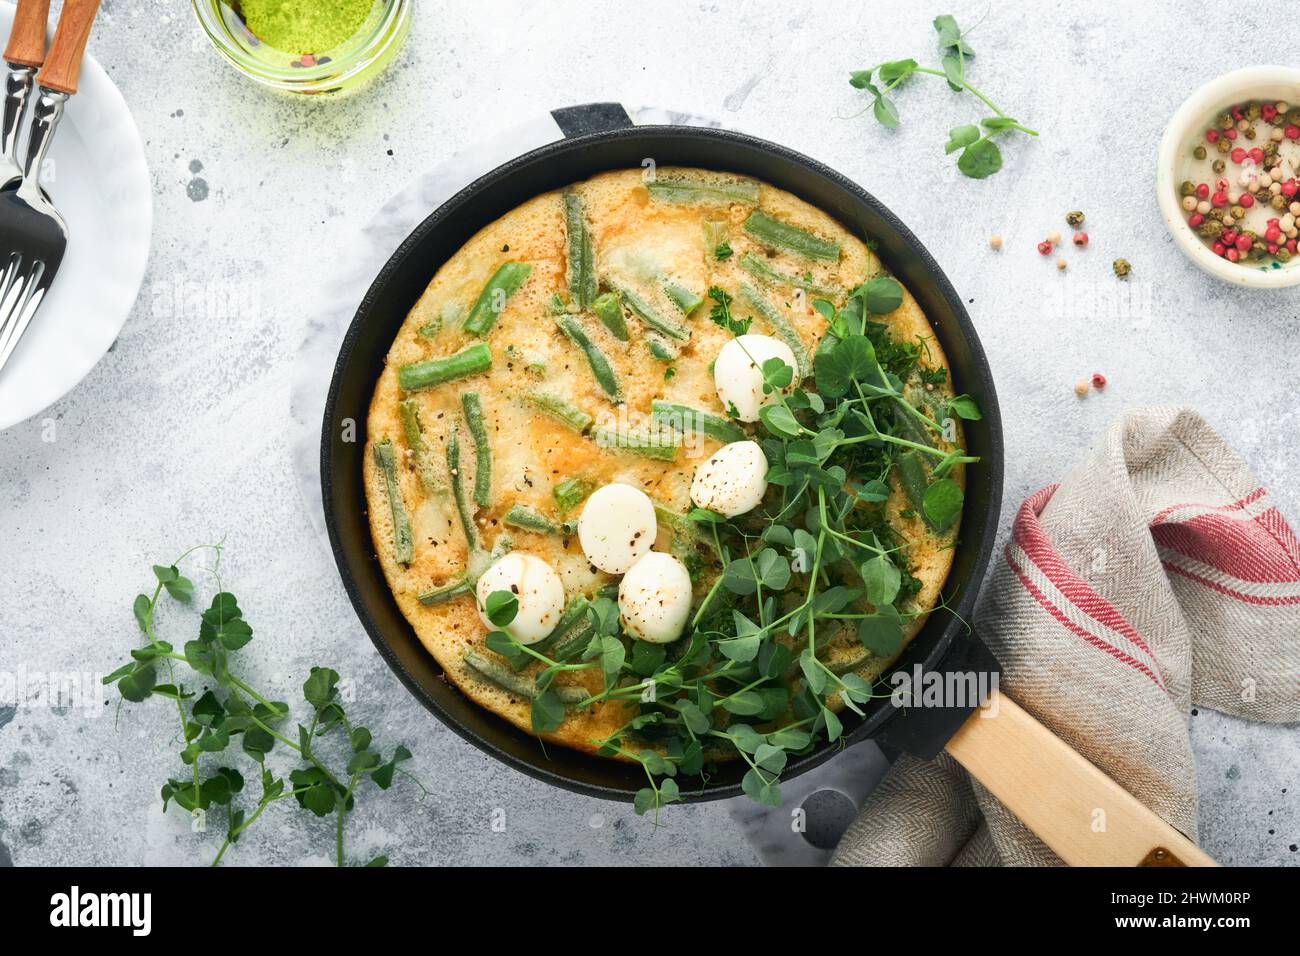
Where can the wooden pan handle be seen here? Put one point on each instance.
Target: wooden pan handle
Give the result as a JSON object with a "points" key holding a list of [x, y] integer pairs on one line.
{"points": [[1083, 815], [63, 64], [27, 39]]}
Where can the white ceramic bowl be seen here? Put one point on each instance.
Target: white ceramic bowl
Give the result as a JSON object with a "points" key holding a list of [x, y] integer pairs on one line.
{"points": [[1185, 131]]}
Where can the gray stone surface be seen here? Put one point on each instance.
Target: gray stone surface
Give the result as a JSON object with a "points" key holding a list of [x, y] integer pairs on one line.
{"points": [[180, 434]]}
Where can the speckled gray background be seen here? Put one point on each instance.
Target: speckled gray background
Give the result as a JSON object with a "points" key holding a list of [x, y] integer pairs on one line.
{"points": [[180, 434]]}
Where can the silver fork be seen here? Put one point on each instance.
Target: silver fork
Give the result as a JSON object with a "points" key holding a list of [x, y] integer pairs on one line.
{"points": [[33, 236]]}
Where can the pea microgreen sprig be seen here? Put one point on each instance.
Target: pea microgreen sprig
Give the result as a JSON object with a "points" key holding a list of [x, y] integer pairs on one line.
{"points": [[818, 566], [980, 156], [230, 710]]}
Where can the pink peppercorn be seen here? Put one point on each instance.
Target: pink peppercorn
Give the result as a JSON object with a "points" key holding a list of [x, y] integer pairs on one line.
{"points": [[1211, 135], [1230, 133], [1289, 188], [1219, 199], [1246, 200], [1202, 191], [1291, 245], [1243, 243], [1257, 155], [1238, 155], [1044, 248], [1080, 239], [1219, 248], [1232, 255], [1098, 380], [1195, 220], [1268, 111], [1272, 248], [1272, 233], [1291, 132]]}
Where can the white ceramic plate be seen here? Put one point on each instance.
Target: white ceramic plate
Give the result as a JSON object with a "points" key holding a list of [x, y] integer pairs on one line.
{"points": [[100, 182]]}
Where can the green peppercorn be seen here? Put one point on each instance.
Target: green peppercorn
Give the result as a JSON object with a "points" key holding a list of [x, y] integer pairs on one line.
{"points": [[1122, 267], [1199, 152], [1278, 201], [1188, 188], [1208, 229], [1293, 117], [1224, 145], [1219, 166], [1283, 254], [1252, 112], [1248, 132], [1075, 219], [1238, 212], [1225, 121]]}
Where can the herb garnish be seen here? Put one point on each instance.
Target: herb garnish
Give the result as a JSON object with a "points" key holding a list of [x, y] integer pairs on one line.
{"points": [[980, 156], [230, 708], [819, 569]]}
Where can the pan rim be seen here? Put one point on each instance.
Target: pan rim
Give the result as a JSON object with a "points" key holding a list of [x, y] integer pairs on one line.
{"points": [[983, 536]]}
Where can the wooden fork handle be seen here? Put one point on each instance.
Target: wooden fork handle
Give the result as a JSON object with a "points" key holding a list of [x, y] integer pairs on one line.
{"points": [[27, 38], [1084, 816], [63, 64]]}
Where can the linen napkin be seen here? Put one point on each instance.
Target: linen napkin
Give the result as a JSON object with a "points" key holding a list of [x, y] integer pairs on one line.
{"points": [[1156, 577]]}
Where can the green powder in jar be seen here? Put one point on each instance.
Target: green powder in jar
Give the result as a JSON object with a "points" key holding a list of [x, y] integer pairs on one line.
{"points": [[305, 26]]}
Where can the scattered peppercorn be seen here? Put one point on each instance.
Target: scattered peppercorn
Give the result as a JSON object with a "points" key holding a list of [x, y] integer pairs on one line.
{"points": [[1080, 239], [1199, 152], [1061, 264], [995, 242], [1075, 219], [1081, 387], [1045, 248], [1054, 237], [1098, 381], [1122, 267]]}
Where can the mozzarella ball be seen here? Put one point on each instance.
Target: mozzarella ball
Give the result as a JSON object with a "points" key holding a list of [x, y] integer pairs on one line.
{"points": [[536, 586], [617, 526], [738, 373], [654, 598], [733, 480]]}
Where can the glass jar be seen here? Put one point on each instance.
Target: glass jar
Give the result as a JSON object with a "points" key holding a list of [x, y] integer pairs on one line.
{"points": [[358, 39]]}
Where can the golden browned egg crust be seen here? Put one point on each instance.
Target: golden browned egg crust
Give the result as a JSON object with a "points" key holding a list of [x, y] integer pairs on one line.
{"points": [[640, 242]]}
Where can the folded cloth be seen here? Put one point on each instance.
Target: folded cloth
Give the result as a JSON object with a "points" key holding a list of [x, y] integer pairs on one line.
{"points": [[1156, 577]]}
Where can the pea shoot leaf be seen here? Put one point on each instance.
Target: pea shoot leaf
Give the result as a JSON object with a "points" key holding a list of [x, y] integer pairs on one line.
{"points": [[980, 159], [942, 503], [501, 607]]}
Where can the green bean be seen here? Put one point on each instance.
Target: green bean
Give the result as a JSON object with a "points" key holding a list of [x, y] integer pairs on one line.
{"points": [[504, 283], [646, 444], [759, 269], [473, 406], [682, 297], [661, 348], [651, 316], [776, 234], [571, 645], [458, 487], [599, 363], [779, 324], [571, 492], [690, 190], [564, 412], [908, 427], [521, 516], [445, 593], [716, 232], [911, 476], [517, 684], [471, 360], [686, 419], [428, 476], [609, 309], [582, 257], [575, 613], [403, 542]]}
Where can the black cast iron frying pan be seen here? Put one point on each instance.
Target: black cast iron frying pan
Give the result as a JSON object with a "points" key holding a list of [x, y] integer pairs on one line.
{"points": [[601, 138]]}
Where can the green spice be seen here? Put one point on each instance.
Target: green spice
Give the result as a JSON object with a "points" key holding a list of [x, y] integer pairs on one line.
{"points": [[1122, 268], [306, 26]]}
